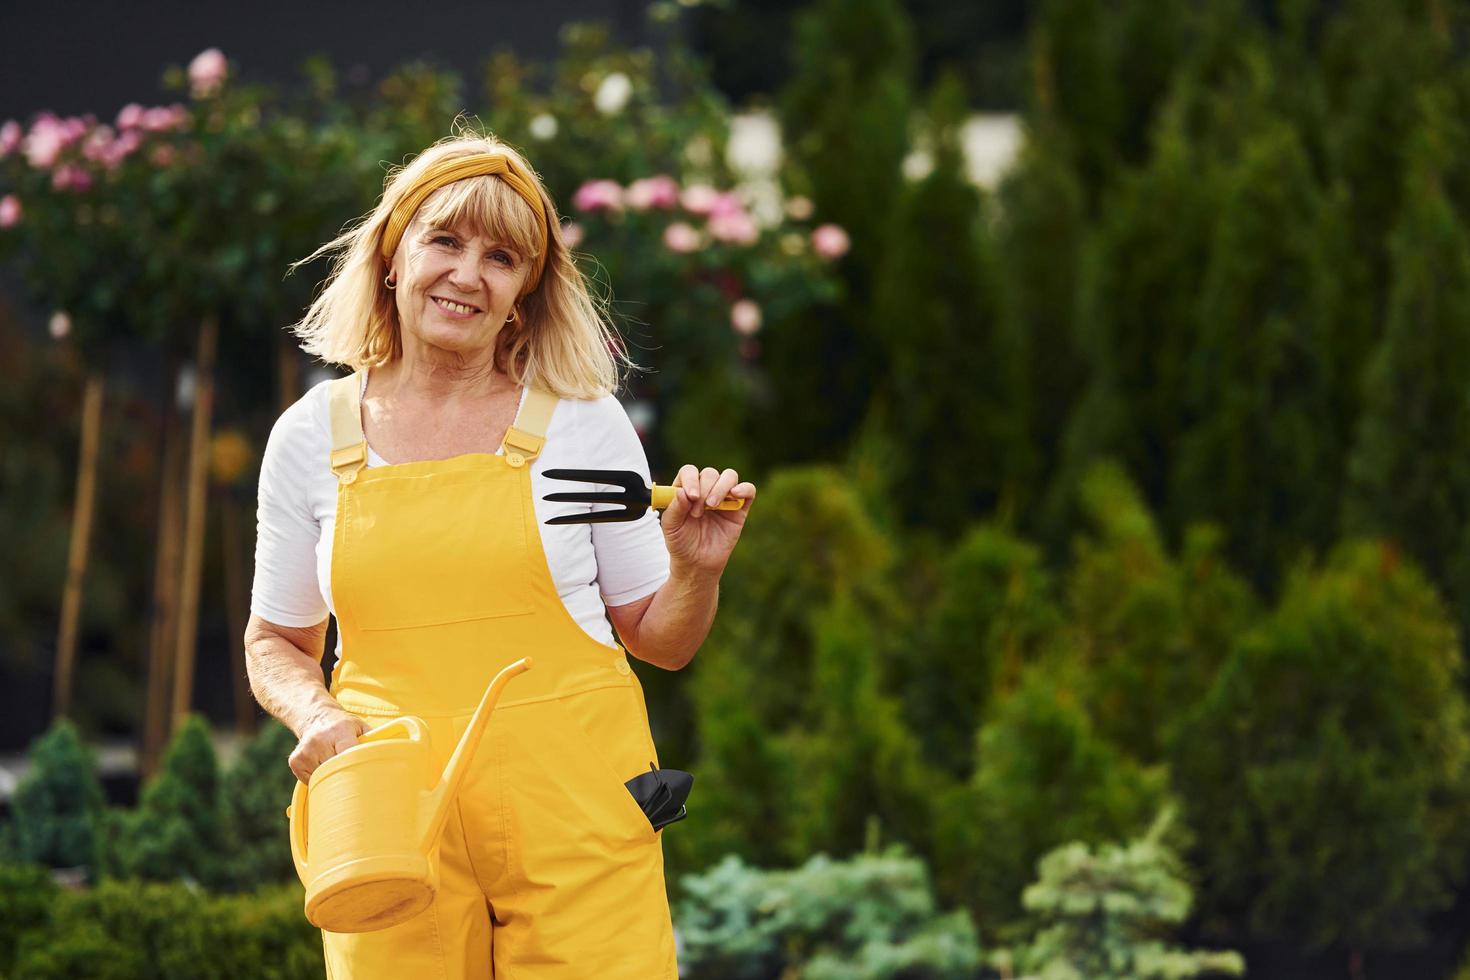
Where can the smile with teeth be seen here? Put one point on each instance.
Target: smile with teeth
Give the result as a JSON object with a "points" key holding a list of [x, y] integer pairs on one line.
{"points": [[459, 308]]}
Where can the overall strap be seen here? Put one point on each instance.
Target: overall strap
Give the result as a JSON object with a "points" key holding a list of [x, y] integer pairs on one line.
{"points": [[349, 445], [524, 439]]}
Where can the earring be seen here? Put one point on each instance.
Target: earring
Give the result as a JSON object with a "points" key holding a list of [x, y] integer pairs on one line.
{"points": [[511, 318], [390, 282]]}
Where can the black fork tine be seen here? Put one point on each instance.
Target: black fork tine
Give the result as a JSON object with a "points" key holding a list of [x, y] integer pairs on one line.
{"points": [[598, 517], [592, 497], [627, 479], [635, 496]]}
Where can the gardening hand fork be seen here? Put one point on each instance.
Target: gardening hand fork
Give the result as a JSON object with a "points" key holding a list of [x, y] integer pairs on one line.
{"points": [[635, 497]]}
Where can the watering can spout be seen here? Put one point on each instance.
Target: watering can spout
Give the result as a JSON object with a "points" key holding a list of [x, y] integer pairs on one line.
{"points": [[436, 802]]}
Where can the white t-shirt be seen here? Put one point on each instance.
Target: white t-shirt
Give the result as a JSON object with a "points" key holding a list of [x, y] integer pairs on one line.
{"points": [[592, 565]]}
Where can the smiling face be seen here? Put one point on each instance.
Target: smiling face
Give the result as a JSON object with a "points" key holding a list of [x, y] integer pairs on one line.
{"points": [[458, 279]]}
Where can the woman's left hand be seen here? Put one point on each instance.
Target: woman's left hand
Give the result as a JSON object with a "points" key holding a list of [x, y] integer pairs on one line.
{"points": [[698, 537]]}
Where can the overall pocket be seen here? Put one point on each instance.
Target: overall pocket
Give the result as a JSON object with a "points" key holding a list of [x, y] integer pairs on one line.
{"points": [[426, 549], [613, 745]]}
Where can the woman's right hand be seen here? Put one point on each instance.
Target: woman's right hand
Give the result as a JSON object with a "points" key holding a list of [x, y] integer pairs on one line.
{"points": [[322, 738]]}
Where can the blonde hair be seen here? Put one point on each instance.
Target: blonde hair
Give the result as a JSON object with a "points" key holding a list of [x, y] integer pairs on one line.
{"points": [[562, 339]]}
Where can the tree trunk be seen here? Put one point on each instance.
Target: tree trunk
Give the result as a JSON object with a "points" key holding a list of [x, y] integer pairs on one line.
{"points": [[236, 601], [158, 708], [186, 643], [77, 552]]}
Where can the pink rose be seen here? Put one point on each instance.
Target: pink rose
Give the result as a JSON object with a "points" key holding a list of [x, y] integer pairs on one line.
{"points": [[830, 241], [10, 211], [571, 234], [44, 143], [745, 317], [97, 146], [10, 135], [207, 73], [121, 148], [681, 237], [161, 119], [737, 228], [652, 192], [725, 205], [130, 116], [70, 177], [598, 195], [699, 198]]}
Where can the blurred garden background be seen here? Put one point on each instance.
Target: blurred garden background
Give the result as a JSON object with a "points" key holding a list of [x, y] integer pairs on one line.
{"points": [[1105, 371]]}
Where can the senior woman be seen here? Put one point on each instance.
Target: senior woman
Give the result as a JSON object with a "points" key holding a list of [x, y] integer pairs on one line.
{"points": [[406, 499]]}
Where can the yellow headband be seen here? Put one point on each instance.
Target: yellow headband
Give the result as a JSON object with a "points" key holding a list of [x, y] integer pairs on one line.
{"points": [[447, 172]]}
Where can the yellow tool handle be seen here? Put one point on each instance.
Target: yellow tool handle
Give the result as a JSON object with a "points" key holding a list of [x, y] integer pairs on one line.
{"points": [[664, 496]]}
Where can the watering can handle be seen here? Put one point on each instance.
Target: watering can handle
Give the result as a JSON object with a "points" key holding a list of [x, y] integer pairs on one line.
{"points": [[297, 813]]}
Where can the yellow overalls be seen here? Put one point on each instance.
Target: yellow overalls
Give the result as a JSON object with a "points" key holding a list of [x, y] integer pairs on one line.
{"points": [[548, 867]]}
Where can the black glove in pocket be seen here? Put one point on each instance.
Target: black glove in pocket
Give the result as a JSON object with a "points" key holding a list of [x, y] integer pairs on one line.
{"points": [[661, 793]]}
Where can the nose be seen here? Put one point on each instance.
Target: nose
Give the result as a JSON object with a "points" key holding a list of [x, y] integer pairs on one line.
{"points": [[464, 274]]}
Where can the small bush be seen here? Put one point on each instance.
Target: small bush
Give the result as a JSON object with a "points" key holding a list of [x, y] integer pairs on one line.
{"points": [[867, 918], [58, 805], [130, 929]]}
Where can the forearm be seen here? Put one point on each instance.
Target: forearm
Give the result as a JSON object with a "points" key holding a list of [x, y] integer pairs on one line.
{"points": [[679, 618], [287, 682]]}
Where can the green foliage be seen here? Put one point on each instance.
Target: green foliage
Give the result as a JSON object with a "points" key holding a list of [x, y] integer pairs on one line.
{"points": [[857, 761], [936, 321], [1043, 237], [993, 612], [1044, 777], [1151, 630], [26, 895], [869, 918], [1326, 771], [131, 929], [846, 155], [176, 831], [57, 806], [1409, 477], [254, 794], [1259, 382], [1100, 915], [752, 683], [1137, 308]]}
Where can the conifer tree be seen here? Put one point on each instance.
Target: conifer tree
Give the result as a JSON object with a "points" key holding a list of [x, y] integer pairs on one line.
{"points": [[859, 765], [846, 154], [947, 395], [1260, 456], [1327, 773], [176, 830], [1041, 245], [1075, 90], [1044, 777], [1409, 478], [752, 683], [57, 807], [1102, 915], [1138, 306], [992, 615], [1151, 630], [253, 797]]}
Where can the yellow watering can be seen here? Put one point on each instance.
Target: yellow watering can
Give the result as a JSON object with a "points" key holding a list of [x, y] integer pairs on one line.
{"points": [[372, 816]]}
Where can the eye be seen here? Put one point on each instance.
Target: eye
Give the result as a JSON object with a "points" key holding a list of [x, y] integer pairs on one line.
{"points": [[507, 258], [442, 238]]}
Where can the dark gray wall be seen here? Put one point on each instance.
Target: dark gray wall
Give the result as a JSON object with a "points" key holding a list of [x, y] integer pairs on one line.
{"points": [[73, 57]]}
